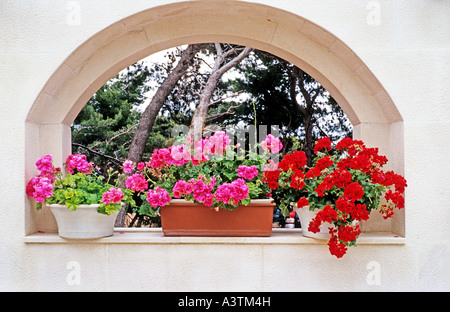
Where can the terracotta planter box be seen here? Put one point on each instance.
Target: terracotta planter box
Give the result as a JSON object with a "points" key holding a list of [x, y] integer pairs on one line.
{"points": [[183, 218]]}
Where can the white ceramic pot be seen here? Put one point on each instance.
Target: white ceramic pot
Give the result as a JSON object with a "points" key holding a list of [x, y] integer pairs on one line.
{"points": [[84, 222], [305, 215]]}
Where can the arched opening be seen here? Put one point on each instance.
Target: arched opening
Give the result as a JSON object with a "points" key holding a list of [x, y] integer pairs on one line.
{"points": [[368, 106]]}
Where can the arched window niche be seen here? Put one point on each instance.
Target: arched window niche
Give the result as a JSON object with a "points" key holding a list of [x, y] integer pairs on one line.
{"points": [[330, 61]]}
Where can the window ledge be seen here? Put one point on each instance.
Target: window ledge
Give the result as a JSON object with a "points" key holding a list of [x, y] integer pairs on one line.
{"points": [[156, 236]]}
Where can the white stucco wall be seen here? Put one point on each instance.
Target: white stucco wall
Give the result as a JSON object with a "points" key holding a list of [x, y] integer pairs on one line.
{"points": [[405, 44]]}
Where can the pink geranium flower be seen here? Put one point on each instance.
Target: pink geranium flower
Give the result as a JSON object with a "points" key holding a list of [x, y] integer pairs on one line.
{"points": [[182, 188], [141, 166], [114, 195], [136, 182], [217, 143], [180, 155], [200, 190], [271, 144], [158, 197], [160, 157], [78, 162], [246, 172], [40, 188], [231, 193], [45, 164], [128, 166], [199, 154]]}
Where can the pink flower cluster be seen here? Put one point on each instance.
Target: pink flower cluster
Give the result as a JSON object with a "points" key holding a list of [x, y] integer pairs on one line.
{"points": [[160, 157], [182, 188], [114, 195], [136, 182], [158, 197], [201, 190], [180, 155], [128, 166], [79, 162], [40, 187], [197, 151], [247, 173], [45, 165], [231, 193], [217, 143], [271, 144]]}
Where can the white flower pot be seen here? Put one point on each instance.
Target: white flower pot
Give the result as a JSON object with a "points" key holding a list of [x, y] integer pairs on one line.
{"points": [[305, 215], [84, 222]]}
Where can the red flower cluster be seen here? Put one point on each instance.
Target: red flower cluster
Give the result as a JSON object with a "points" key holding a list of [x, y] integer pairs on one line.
{"points": [[353, 191], [302, 202], [271, 178], [324, 143], [296, 161], [335, 247], [356, 211], [327, 214], [344, 234], [348, 233], [345, 184], [322, 163]]}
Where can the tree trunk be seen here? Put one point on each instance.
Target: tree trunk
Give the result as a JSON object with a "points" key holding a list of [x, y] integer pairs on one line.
{"points": [[201, 112], [149, 115], [297, 77], [309, 143]]}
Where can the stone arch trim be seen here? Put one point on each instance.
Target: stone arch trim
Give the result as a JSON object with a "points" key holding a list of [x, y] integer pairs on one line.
{"points": [[312, 48]]}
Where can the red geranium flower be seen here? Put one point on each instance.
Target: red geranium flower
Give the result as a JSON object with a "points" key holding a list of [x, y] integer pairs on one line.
{"points": [[335, 247], [353, 191], [324, 143], [302, 202]]}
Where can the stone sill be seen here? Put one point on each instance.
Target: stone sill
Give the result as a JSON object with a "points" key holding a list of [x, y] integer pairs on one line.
{"points": [[155, 236]]}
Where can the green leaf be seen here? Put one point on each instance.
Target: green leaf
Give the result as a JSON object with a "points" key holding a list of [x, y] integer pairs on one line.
{"points": [[109, 208], [284, 208], [147, 210], [92, 199], [72, 206]]}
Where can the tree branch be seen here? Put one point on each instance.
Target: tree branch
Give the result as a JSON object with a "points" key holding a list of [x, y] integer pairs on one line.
{"points": [[225, 98], [118, 161], [231, 51], [293, 73], [228, 112], [121, 133], [305, 93], [235, 61]]}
